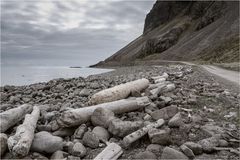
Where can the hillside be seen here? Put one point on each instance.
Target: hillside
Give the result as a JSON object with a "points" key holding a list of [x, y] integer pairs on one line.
{"points": [[185, 31]]}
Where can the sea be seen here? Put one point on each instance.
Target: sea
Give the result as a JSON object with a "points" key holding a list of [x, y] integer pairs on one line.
{"points": [[26, 75]]}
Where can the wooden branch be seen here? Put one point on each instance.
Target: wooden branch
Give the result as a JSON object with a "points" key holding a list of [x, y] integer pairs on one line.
{"points": [[75, 117], [12, 116], [112, 151], [119, 92], [20, 143], [129, 139]]}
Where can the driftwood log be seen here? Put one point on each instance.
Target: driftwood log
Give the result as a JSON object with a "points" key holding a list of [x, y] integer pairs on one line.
{"points": [[20, 143], [111, 152], [119, 92], [129, 139], [76, 117], [12, 116]]}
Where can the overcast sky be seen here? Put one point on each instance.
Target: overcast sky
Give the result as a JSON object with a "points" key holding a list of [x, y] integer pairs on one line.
{"points": [[68, 32]]}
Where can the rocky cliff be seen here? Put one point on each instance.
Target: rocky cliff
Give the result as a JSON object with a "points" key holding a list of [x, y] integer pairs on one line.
{"points": [[205, 31]]}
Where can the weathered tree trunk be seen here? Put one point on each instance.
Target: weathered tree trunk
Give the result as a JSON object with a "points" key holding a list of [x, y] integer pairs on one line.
{"points": [[119, 92], [76, 117], [20, 143], [129, 139], [112, 151], [12, 116]]}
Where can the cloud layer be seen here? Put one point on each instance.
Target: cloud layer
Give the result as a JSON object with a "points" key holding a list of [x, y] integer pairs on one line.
{"points": [[68, 32]]}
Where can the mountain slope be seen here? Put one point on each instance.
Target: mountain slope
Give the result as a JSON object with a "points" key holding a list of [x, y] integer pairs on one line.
{"points": [[186, 31]]}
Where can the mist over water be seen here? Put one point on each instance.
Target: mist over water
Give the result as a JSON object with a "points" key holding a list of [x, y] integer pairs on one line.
{"points": [[25, 75]]}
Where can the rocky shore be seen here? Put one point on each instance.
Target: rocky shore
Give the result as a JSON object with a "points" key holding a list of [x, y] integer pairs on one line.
{"points": [[199, 118]]}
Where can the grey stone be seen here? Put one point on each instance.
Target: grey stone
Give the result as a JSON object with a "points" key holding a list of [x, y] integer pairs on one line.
{"points": [[176, 120], [212, 129], [68, 146], [208, 144], [165, 113], [196, 148], [145, 155], [79, 132], [223, 143], [154, 148], [85, 92], [91, 140], [160, 136], [101, 133], [79, 150], [3, 143], [57, 155], [122, 128], [102, 117], [44, 142], [187, 151], [170, 153], [166, 99]]}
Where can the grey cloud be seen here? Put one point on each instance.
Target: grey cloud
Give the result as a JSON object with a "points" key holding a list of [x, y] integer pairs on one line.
{"points": [[37, 34]]}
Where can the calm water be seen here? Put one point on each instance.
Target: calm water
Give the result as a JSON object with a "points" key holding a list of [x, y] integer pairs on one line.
{"points": [[34, 74]]}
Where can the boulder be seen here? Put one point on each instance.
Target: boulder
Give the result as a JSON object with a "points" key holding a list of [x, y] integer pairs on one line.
{"points": [[154, 148], [170, 153], [79, 132], [79, 150], [122, 128], [91, 140], [63, 132], [187, 151], [57, 155], [208, 144], [102, 117], [176, 120], [45, 142], [196, 148], [160, 136], [165, 113], [101, 133]]}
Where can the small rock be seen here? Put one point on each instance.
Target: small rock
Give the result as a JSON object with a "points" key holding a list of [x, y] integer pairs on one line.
{"points": [[196, 148], [187, 151], [122, 128], [212, 129], [170, 153], [85, 92], [57, 155], [135, 93], [208, 144], [79, 150], [63, 132], [79, 132], [165, 113], [154, 148], [36, 155], [160, 136], [67, 147], [145, 155], [44, 142], [176, 121], [91, 140], [147, 117], [3, 143], [223, 143], [102, 117], [101, 133]]}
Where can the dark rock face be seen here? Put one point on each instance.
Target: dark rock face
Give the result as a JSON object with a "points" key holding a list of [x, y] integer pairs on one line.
{"points": [[162, 12]]}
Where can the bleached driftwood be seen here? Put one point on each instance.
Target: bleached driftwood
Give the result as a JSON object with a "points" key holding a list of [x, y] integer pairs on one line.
{"points": [[164, 75], [112, 151], [12, 116], [129, 139], [162, 89], [75, 117], [20, 143], [119, 92]]}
